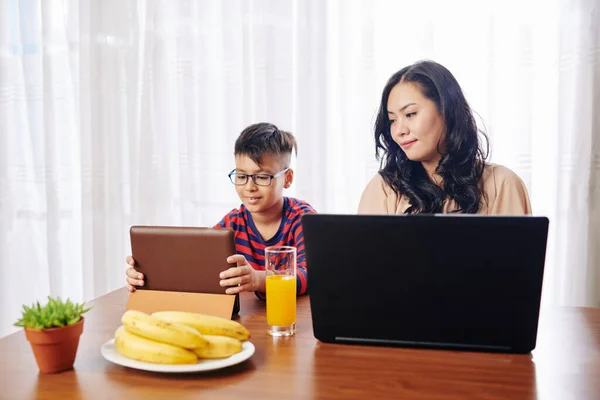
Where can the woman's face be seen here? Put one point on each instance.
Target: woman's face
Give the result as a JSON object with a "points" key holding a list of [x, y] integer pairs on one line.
{"points": [[416, 124]]}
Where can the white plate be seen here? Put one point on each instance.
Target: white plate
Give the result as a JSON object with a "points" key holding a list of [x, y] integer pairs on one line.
{"points": [[109, 352]]}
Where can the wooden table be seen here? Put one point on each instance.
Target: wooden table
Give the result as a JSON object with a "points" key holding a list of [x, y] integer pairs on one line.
{"points": [[565, 365]]}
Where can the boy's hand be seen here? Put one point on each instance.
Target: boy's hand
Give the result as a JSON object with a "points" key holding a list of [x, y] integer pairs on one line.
{"points": [[134, 278], [242, 278]]}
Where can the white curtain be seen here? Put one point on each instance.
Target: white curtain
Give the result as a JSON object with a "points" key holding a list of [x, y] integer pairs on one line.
{"points": [[125, 112]]}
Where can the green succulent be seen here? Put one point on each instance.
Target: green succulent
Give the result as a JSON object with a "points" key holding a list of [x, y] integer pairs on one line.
{"points": [[54, 314]]}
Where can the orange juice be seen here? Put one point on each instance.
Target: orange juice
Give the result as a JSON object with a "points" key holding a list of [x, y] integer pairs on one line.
{"points": [[281, 300]]}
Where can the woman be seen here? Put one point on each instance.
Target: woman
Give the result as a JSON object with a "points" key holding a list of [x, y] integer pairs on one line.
{"points": [[432, 159]]}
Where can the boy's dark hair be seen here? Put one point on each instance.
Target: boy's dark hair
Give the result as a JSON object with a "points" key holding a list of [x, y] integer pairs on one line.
{"points": [[259, 140]]}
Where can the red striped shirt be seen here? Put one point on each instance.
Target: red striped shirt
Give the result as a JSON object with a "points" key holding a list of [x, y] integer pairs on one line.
{"points": [[250, 244]]}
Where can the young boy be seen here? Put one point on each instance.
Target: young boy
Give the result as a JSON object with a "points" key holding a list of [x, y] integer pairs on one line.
{"points": [[265, 218]]}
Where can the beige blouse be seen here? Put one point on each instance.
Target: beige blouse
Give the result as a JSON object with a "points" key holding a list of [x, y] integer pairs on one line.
{"points": [[504, 193]]}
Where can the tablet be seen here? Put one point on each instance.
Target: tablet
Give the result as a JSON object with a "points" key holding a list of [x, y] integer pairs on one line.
{"points": [[182, 259]]}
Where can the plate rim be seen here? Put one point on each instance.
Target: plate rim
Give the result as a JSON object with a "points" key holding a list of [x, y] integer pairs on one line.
{"points": [[248, 350]]}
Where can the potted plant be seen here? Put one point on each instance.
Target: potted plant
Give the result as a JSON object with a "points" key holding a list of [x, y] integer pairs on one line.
{"points": [[53, 331]]}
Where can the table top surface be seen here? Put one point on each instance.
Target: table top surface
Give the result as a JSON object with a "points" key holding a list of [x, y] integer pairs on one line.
{"points": [[564, 365]]}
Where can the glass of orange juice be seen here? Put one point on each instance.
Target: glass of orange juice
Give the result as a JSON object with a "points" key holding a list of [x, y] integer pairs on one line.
{"points": [[280, 266]]}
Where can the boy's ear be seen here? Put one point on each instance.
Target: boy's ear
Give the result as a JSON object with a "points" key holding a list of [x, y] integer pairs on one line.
{"points": [[289, 178]]}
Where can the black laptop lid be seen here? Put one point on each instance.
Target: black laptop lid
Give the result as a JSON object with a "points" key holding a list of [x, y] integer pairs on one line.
{"points": [[461, 281]]}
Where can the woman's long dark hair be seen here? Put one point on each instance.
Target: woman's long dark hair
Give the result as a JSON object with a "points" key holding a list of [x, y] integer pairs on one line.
{"points": [[463, 161]]}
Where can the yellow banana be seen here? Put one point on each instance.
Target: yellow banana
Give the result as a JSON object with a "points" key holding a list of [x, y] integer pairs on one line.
{"points": [[138, 348], [219, 347], [146, 326], [206, 324]]}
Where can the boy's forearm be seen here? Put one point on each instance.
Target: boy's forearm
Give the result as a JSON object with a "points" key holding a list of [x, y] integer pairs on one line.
{"points": [[262, 276]]}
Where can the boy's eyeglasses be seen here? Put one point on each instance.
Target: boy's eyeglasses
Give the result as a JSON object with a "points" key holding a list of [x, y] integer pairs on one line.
{"points": [[239, 179]]}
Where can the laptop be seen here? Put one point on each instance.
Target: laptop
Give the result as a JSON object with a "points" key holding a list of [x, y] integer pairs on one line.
{"points": [[463, 282]]}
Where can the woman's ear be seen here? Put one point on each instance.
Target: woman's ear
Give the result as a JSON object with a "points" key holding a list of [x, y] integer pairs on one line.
{"points": [[289, 178]]}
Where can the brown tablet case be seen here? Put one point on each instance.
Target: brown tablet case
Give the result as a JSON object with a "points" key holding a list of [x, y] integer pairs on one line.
{"points": [[181, 267]]}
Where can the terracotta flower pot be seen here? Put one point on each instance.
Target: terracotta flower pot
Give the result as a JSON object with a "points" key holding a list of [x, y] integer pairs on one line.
{"points": [[55, 348]]}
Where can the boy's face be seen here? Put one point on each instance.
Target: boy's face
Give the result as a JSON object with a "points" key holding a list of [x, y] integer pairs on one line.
{"points": [[258, 198]]}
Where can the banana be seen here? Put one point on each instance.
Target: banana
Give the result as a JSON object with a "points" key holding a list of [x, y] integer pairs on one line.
{"points": [[206, 324], [146, 326], [219, 347], [138, 348]]}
